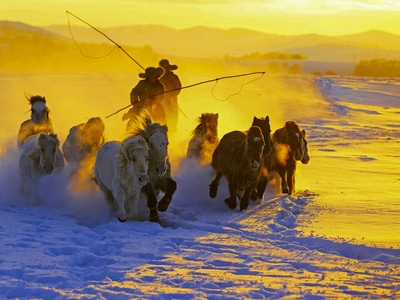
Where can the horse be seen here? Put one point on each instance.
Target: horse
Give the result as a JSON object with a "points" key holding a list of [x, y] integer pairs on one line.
{"points": [[156, 136], [290, 146], [204, 138], [121, 172], [81, 146], [39, 121], [238, 157], [265, 127], [40, 156]]}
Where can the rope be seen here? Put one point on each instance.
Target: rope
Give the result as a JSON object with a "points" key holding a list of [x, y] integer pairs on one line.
{"points": [[202, 82], [117, 45]]}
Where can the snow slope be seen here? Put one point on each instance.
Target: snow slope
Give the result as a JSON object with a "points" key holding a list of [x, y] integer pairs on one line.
{"points": [[337, 237]]}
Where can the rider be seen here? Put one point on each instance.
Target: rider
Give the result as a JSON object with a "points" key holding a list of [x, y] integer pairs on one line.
{"points": [[149, 93], [172, 86]]}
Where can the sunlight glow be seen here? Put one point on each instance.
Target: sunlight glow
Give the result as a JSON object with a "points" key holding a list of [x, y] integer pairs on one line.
{"points": [[283, 17]]}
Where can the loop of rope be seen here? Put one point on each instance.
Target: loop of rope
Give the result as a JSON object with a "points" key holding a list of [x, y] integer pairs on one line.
{"points": [[122, 49]]}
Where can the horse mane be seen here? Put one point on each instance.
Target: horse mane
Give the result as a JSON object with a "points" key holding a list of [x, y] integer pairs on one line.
{"points": [[33, 99], [43, 138], [201, 126], [281, 135], [144, 126], [94, 122]]}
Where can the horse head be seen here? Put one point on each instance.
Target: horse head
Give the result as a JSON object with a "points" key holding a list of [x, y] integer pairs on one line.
{"points": [[296, 140], [255, 146], [158, 149], [306, 157], [39, 110], [265, 127], [135, 155], [45, 151]]}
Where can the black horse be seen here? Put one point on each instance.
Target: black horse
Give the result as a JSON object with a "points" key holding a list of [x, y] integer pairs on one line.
{"points": [[238, 157], [265, 127]]}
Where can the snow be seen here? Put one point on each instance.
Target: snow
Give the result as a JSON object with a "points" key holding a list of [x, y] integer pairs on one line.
{"points": [[338, 236]]}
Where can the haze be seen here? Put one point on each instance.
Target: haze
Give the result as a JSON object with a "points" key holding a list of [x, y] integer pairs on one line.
{"points": [[287, 17]]}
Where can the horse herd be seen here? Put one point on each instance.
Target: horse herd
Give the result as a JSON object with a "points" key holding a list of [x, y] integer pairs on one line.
{"points": [[123, 170]]}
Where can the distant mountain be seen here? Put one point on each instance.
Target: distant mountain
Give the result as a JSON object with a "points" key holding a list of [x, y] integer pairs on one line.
{"points": [[26, 47], [213, 42], [10, 28]]}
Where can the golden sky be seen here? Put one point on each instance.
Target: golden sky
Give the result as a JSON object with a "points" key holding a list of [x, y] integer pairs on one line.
{"points": [[329, 17]]}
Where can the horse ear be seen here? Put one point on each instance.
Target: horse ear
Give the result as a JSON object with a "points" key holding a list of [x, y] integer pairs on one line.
{"points": [[303, 132], [267, 118]]}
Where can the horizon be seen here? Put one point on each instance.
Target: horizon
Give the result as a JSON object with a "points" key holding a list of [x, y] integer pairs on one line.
{"points": [[82, 25], [285, 17]]}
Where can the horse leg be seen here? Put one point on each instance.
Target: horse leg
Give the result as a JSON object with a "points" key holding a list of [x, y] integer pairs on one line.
{"points": [[244, 202], [168, 193], [148, 189], [233, 190], [214, 185], [282, 174], [258, 192], [120, 198], [291, 172]]}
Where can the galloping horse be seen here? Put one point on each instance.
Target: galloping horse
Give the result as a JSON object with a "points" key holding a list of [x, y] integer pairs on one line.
{"points": [[121, 172], [39, 121], [156, 136], [238, 157], [204, 138], [265, 127], [40, 156], [290, 146]]}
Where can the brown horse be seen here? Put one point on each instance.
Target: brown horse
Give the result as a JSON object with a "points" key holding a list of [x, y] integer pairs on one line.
{"points": [[204, 138], [265, 127], [290, 146], [39, 121], [238, 157]]}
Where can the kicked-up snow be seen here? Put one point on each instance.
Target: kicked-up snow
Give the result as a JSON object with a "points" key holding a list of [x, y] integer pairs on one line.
{"points": [[337, 237]]}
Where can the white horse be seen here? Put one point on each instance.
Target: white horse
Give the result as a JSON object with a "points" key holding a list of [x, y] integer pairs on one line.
{"points": [[39, 121], [121, 172], [40, 156]]}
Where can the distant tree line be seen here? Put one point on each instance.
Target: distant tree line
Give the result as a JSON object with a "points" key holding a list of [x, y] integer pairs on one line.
{"points": [[380, 67], [274, 56]]}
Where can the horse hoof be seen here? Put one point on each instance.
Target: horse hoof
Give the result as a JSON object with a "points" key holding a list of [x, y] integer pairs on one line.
{"points": [[164, 204], [122, 220], [243, 207], [285, 191], [213, 191], [254, 196], [154, 216], [232, 205], [155, 219]]}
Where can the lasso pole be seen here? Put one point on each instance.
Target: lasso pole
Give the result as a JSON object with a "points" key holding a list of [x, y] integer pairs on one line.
{"points": [[192, 85]]}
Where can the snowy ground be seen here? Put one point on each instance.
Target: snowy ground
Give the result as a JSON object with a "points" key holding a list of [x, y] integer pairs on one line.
{"points": [[337, 237]]}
